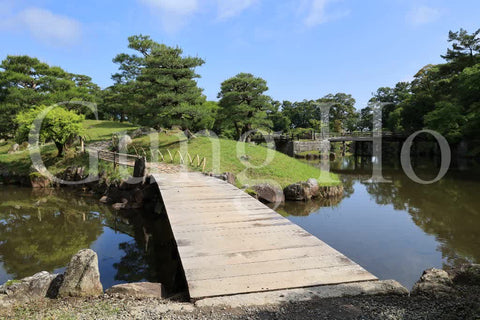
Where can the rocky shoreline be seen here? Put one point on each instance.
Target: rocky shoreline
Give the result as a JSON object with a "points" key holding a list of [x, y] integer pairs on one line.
{"points": [[78, 295]]}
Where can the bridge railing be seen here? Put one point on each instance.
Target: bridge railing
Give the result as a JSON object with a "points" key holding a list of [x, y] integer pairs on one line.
{"points": [[321, 136], [116, 158]]}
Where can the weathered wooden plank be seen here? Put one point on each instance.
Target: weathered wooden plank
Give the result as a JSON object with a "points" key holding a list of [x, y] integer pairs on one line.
{"points": [[207, 271], [278, 280], [230, 243]]}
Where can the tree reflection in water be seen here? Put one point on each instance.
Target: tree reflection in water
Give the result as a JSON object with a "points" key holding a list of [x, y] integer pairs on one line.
{"points": [[42, 230], [448, 209]]}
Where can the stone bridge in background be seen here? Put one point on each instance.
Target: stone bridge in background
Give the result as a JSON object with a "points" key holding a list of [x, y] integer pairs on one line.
{"points": [[360, 143]]}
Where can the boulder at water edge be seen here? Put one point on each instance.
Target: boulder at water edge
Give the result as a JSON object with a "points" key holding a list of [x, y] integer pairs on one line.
{"points": [[299, 191], [82, 278], [138, 290], [268, 193], [433, 281]]}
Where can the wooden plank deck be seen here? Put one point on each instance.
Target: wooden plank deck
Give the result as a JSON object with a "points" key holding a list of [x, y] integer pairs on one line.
{"points": [[230, 243]]}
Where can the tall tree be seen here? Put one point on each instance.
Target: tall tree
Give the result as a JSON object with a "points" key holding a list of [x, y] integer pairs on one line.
{"points": [[155, 84], [465, 48], [244, 104], [343, 116]]}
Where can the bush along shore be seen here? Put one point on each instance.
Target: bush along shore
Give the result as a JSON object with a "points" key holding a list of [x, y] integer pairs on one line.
{"points": [[78, 294]]}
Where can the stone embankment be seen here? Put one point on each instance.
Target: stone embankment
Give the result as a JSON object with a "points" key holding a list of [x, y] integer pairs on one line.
{"points": [[300, 191], [439, 294]]}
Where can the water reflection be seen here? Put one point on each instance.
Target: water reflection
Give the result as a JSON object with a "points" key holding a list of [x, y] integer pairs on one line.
{"points": [[42, 232], [42, 229], [398, 229]]}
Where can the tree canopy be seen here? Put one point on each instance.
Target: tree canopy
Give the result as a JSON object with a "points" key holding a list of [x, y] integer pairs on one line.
{"points": [[156, 86], [25, 82], [243, 103], [59, 125]]}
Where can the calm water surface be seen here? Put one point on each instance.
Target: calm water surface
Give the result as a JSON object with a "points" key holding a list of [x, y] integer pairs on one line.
{"points": [[42, 229], [396, 230]]}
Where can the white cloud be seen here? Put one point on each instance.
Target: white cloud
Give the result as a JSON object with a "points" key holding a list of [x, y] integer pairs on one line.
{"points": [[180, 7], [230, 8], [174, 14], [45, 26], [423, 15], [319, 14]]}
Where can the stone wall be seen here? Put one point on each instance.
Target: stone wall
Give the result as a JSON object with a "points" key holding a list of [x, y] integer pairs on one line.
{"points": [[292, 148]]}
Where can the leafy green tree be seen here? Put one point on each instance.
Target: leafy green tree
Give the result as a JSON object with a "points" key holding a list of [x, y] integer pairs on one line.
{"points": [[244, 104], [280, 122], [447, 119], [300, 113], [26, 82], [342, 116], [59, 125], [392, 100], [156, 86], [365, 121], [465, 49]]}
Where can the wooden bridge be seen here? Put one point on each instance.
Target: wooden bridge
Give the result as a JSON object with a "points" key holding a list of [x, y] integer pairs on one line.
{"points": [[229, 243]]}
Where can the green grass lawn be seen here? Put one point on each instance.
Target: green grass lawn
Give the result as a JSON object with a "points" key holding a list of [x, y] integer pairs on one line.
{"points": [[20, 162], [282, 168], [97, 130]]}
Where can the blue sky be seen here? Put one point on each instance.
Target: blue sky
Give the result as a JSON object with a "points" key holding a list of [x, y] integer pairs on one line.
{"points": [[305, 49]]}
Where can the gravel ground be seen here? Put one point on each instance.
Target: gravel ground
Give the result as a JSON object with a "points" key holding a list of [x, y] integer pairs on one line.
{"points": [[464, 305]]}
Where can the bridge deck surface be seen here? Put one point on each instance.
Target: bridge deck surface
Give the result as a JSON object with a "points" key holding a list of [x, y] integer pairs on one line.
{"points": [[230, 243]]}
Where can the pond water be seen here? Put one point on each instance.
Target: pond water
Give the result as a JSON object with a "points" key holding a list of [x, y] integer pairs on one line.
{"points": [[43, 229], [396, 230]]}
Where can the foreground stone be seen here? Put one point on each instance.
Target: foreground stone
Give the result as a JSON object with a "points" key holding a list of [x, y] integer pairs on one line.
{"points": [[39, 181], [435, 282], [268, 193], [82, 278], [385, 287], [299, 191], [138, 290], [36, 287]]}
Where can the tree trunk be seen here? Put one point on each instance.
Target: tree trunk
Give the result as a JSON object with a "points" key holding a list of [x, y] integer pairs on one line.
{"points": [[59, 148], [239, 133], [248, 128]]}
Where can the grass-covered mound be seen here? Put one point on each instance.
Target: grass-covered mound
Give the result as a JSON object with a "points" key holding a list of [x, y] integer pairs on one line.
{"points": [[281, 168], [234, 157]]}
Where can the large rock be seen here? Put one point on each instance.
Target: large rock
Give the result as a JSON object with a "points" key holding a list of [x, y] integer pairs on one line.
{"points": [[38, 286], [299, 191], [82, 278], [138, 290], [39, 181], [314, 188], [268, 193], [435, 282]]}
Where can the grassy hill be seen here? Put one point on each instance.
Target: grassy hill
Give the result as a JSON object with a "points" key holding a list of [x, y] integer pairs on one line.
{"points": [[235, 157], [281, 168]]}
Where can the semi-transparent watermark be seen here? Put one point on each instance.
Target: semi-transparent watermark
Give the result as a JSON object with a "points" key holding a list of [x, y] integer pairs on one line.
{"points": [[244, 177]]}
